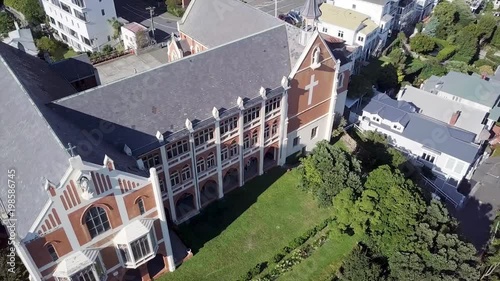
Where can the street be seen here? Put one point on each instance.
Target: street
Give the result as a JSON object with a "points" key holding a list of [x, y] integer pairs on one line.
{"points": [[135, 11], [284, 6]]}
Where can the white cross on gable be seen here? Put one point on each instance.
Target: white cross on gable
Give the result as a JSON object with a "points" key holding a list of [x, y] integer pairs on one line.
{"points": [[310, 88]]}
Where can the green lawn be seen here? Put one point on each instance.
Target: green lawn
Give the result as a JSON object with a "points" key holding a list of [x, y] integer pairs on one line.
{"points": [[250, 225], [324, 262]]}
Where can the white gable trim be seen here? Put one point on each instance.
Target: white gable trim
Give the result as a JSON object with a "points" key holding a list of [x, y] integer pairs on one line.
{"points": [[302, 57]]}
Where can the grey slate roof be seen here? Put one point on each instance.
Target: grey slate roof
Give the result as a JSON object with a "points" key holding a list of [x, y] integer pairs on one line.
{"points": [[163, 98], [429, 132], [466, 86], [22, 39], [310, 10], [75, 68], [33, 137], [227, 20], [442, 109]]}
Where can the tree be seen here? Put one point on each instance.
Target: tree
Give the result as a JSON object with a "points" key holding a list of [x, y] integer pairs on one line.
{"points": [[431, 27], [20, 272], [447, 15], [387, 78], [116, 25], [31, 10], [486, 69], [6, 23], [468, 41], [358, 266], [422, 43], [359, 86], [485, 26], [141, 39], [397, 56], [47, 44], [328, 170]]}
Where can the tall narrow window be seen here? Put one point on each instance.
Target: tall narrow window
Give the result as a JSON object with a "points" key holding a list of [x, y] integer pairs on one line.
{"points": [[246, 142], [234, 149], [200, 165], [251, 114], [186, 173], [175, 179], [224, 153], [266, 132], [210, 160], [274, 128], [140, 205], [52, 252], [102, 12], [255, 138]]}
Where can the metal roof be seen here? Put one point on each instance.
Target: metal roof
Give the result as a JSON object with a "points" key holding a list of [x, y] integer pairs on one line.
{"points": [[430, 132], [310, 10], [346, 18]]}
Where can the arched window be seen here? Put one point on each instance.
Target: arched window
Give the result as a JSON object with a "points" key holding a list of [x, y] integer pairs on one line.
{"points": [[315, 57], [52, 252], [274, 128], [266, 132], [340, 80], [140, 205], [224, 153], [186, 173], [210, 160], [234, 149], [255, 138], [246, 142], [200, 165], [96, 221]]}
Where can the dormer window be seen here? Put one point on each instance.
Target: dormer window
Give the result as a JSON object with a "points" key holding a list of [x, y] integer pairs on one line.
{"points": [[376, 119]]}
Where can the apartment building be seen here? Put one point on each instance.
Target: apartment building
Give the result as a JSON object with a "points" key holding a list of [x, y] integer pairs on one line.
{"points": [[82, 24]]}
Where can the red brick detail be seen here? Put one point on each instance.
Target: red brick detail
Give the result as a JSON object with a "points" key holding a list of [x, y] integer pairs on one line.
{"points": [[63, 202], [56, 216], [75, 192], [67, 198]]}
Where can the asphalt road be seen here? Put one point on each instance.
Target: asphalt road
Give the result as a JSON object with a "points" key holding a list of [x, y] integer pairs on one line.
{"points": [[135, 10], [284, 6]]}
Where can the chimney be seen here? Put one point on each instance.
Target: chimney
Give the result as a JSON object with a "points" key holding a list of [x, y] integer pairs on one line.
{"points": [[454, 118]]}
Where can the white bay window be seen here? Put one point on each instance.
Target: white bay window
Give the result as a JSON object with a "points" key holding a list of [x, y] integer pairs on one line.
{"points": [[137, 243]]}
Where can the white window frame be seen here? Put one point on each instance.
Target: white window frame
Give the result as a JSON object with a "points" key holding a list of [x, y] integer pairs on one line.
{"points": [[273, 104], [233, 150], [340, 80], [228, 125], [296, 141], [340, 34], [251, 114], [97, 218], [151, 160], [186, 173], [267, 132], [176, 149], [224, 153], [200, 165], [246, 141], [274, 128], [314, 132], [429, 157], [175, 178], [203, 136], [254, 140], [211, 160]]}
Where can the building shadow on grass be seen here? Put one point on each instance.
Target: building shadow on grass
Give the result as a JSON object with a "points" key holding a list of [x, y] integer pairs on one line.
{"points": [[216, 217]]}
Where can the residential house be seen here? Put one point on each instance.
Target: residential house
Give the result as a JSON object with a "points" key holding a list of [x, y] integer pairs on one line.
{"points": [[355, 28], [22, 39], [82, 24], [450, 152], [479, 92], [450, 111], [134, 36]]}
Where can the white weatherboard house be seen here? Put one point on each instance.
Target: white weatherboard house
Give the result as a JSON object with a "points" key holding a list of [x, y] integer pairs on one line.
{"points": [[82, 24], [355, 28], [449, 151], [480, 93], [450, 111]]}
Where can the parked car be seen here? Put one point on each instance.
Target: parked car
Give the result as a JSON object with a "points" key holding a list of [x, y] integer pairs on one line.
{"points": [[286, 18]]}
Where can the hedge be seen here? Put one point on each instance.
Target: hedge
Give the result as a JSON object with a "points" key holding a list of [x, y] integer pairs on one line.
{"points": [[446, 53]]}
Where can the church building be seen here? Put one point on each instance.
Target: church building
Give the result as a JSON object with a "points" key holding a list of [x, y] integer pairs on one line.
{"points": [[102, 173]]}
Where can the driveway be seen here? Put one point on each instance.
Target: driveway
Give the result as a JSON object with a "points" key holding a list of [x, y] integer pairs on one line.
{"points": [[135, 11], [483, 203]]}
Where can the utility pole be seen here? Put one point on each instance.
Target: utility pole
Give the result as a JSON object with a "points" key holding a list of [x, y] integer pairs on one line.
{"points": [[275, 8], [151, 13]]}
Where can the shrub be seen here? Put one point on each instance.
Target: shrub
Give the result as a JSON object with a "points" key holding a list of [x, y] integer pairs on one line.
{"points": [[445, 53], [422, 43], [287, 249], [278, 257]]}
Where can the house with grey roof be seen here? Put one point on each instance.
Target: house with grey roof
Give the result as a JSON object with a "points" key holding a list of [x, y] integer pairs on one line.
{"points": [[449, 151], [476, 91], [22, 39], [449, 111]]}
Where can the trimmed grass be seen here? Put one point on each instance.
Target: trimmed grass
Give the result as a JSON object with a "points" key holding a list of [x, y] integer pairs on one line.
{"points": [[324, 263], [250, 225], [63, 53]]}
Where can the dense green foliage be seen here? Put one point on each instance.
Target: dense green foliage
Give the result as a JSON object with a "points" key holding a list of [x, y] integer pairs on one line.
{"points": [[173, 7], [359, 86], [327, 171], [6, 23], [485, 26], [359, 266], [47, 44], [20, 272], [468, 41], [446, 53], [31, 9], [422, 43]]}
